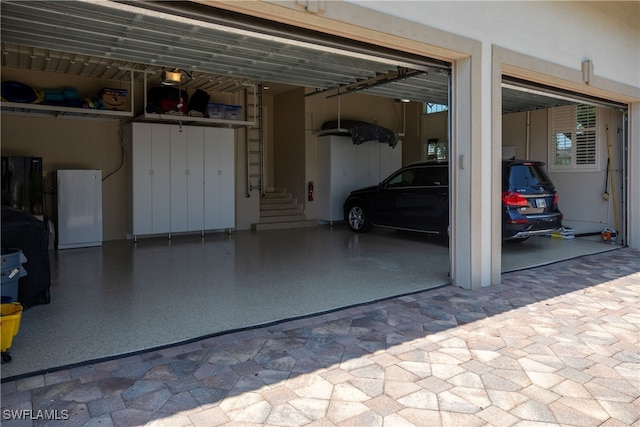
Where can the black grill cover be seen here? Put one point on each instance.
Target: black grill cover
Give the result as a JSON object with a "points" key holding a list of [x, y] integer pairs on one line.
{"points": [[26, 232]]}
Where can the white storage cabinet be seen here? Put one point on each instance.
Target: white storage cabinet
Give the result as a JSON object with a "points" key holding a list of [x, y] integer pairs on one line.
{"points": [[150, 180], [182, 179], [219, 179], [344, 166], [187, 179]]}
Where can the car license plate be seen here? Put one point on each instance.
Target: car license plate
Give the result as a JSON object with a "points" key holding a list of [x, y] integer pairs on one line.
{"points": [[541, 203]]}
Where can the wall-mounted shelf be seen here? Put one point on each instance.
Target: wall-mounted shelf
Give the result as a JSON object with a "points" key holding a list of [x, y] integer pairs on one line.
{"points": [[61, 111], [190, 120], [187, 119]]}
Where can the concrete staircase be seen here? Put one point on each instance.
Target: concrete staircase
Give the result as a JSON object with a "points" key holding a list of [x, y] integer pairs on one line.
{"points": [[278, 210]]}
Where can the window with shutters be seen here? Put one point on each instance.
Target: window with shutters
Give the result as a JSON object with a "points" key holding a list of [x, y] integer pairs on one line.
{"points": [[434, 130], [572, 140], [434, 150]]}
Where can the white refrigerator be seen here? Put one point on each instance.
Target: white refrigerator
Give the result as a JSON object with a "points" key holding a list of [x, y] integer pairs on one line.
{"points": [[79, 208]]}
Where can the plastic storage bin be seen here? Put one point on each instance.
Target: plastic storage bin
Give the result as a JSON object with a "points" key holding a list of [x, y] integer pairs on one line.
{"points": [[215, 110], [9, 326], [232, 112], [11, 272], [24, 231]]}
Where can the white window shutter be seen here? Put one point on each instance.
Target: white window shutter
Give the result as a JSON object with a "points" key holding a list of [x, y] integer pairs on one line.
{"points": [[586, 146], [435, 126], [561, 144], [572, 140]]}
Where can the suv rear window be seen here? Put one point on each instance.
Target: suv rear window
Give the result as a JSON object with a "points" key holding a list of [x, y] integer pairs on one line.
{"points": [[527, 175], [403, 179], [434, 176]]}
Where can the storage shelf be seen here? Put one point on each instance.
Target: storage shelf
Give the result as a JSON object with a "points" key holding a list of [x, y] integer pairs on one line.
{"points": [[61, 111], [74, 112], [187, 120]]}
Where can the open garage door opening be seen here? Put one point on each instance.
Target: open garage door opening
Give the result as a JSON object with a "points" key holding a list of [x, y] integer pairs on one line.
{"points": [[569, 152], [313, 79]]}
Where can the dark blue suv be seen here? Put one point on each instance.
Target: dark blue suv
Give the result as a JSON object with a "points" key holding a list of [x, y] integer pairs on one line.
{"points": [[416, 198]]}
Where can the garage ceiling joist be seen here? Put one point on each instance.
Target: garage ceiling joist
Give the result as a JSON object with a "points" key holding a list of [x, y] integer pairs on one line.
{"points": [[143, 34]]}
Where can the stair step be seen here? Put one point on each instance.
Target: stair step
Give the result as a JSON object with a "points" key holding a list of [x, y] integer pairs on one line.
{"points": [[276, 190], [282, 218], [271, 193], [284, 225], [266, 200], [277, 207], [280, 212]]}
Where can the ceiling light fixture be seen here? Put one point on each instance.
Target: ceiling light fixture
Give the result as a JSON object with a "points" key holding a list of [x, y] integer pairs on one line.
{"points": [[171, 78]]}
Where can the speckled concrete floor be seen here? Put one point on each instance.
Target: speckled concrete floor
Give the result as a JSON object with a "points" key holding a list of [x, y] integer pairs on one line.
{"points": [[122, 298]]}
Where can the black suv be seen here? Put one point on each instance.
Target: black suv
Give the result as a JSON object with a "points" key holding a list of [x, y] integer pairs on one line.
{"points": [[416, 197]]}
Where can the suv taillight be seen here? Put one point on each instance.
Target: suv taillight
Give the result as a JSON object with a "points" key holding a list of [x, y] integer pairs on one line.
{"points": [[511, 198], [555, 199]]}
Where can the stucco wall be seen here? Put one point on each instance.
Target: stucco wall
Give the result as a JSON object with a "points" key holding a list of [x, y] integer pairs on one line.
{"points": [[605, 32]]}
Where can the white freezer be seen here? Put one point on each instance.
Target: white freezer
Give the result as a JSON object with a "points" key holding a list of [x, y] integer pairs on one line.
{"points": [[79, 208]]}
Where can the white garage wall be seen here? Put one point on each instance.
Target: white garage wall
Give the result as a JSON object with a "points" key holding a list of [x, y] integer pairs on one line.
{"points": [[514, 133]]}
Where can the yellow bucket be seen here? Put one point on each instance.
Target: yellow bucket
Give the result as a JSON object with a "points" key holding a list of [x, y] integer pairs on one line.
{"points": [[9, 323]]}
